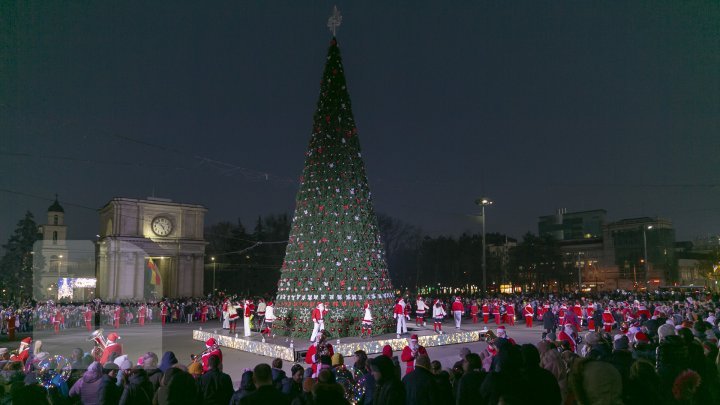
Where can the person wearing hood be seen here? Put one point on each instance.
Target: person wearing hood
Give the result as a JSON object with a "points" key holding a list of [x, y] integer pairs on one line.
{"points": [[176, 387], [88, 387], [671, 354], [596, 382], [540, 381], [389, 390], [138, 389], [246, 387], [150, 364], [109, 393], [168, 360]]}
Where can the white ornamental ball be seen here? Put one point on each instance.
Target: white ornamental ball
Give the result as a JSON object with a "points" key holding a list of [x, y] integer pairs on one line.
{"points": [[343, 140]]}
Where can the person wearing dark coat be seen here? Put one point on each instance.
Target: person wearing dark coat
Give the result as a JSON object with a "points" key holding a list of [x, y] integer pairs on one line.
{"points": [[177, 387], [109, 393], [278, 374], [168, 360], [150, 364], [389, 390], [292, 386], [215, 387], [246, 387], [138, 389], [671, 355], [88, 387], [542, 383], [468, 390], [502, 383], [549, 321], [266, 393], [420, 385]]}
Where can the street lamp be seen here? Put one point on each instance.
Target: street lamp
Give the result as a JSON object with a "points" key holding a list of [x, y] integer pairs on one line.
{"points": [[213, 262], [482, 202], [645, 228]]}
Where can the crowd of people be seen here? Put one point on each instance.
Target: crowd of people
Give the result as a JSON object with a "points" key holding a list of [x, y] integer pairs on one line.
{"points": [[591, 349]]}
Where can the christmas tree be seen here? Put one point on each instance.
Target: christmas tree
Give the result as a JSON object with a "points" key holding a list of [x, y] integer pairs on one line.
{"points": [[334, 253]]}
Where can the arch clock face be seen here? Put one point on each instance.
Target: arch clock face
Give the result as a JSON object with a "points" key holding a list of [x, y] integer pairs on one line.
{"points": [[161, 226]]}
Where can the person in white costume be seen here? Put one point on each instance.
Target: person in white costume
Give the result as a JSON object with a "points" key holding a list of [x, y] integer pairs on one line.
{"points": [[318, 315]]}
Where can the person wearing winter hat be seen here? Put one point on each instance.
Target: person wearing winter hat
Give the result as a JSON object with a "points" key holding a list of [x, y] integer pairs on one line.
{"points": [[438, 316], [665, 331], [596, 382], [621, 342], [211, 349], [168, 360], [112, 349], [367, 321], [410, 353], [400, 317]]}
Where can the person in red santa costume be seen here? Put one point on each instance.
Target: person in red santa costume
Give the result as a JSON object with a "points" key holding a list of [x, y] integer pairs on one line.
{"points": [[421, 308], [410, 353], [211, 349], [577, 308], [367, 321], [116, 318], [163, 313], [318, 349], [203, 312], [269, 319], [510, 313], [496, 312], [567, 334], [233, 316], [58, 319], [23, 351], [457, 310], [642, 310], [142, 312], [589, 311], [112, 347], [318, 318], [474, 311], [561, 314], [249, 308], [608, 320], [399, 315], [528, 313], [485, 312], [438, 316], [502, 334], [88, 318]]}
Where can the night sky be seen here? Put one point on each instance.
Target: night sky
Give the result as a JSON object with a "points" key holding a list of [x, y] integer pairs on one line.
{"points": [[537, 105]]}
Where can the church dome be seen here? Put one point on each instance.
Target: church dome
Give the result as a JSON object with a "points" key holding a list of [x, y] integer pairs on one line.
{"points": [[56, 207]]}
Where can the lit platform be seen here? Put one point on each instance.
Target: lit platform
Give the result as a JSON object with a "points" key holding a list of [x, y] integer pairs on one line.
{"points": [[280, 346]]}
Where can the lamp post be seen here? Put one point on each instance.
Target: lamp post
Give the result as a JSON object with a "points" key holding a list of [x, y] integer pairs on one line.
{"points": [[213, 262], [482, 202], [645, 228]]}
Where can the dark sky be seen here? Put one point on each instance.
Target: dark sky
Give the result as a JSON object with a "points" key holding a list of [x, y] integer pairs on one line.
{"points": [[577, 105]]}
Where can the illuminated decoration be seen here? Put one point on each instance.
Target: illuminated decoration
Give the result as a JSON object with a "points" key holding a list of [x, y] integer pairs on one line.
{"points": [[346, 349], [334, 253], [66, 286]]}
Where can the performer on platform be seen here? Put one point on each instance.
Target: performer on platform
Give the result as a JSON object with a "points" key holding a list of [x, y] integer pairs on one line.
{"points": [[528, 313], [510, 313], [269, 319], [420, 309], [367, 322], [474, 311], [142, 312], [485, 312], [248, 315], [211, 349], [317, 350], [226, 307], [410, 353], [23, 351], [608, 320], [112, 347], [261, 307], [318, 318], [400, 317], [457, 309], [438, 316], [235, 311]]}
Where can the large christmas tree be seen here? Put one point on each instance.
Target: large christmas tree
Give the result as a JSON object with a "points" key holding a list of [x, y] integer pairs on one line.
{"points": [[334, 254]]}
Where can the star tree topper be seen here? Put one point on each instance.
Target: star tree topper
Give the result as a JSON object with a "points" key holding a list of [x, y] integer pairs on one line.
{"points": [[334, 20]]}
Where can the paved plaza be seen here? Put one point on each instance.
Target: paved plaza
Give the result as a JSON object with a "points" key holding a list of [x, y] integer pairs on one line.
{"points": [[177, 337]]}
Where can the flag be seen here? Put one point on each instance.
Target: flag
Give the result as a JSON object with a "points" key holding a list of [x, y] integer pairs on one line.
{"points": [[154, 273]]}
